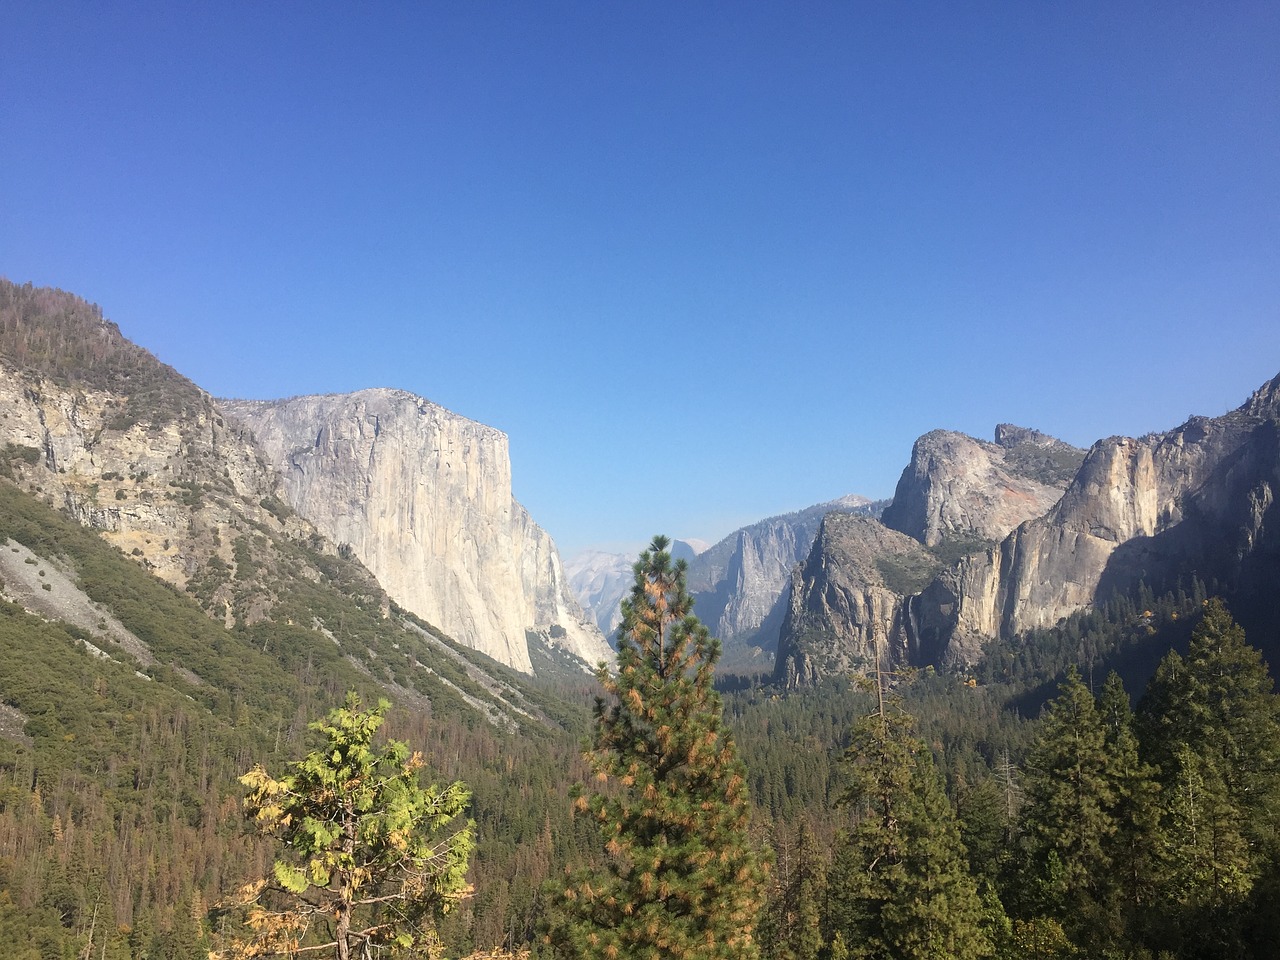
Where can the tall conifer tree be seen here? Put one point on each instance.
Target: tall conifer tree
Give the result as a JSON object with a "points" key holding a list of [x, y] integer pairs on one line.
{"points": [[1212, 724], [1069, 820], [680, 878], [900, 887]]}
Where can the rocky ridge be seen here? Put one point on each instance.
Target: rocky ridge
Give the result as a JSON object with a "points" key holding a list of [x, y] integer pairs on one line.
{"points": [[846, 601], [852, 600], [423, 498], [128, 446], [957, 487], [1199, 499], [740, 584]]}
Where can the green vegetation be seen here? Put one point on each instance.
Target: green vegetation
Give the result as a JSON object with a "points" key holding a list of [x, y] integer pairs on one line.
{"points": [[1055, 464], [900, 884], [948, 552], [60, 336], [680, 877], [372, 859], [907, 573]]}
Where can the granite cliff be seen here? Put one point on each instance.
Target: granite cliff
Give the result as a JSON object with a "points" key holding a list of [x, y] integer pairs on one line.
{"points": [[846, 602], [957, 495], [960, 488], [741, 584], [1199, 499], [423, 497]]}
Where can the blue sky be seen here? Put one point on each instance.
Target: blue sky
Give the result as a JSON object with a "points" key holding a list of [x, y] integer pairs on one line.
{"points": [[703, 263]]}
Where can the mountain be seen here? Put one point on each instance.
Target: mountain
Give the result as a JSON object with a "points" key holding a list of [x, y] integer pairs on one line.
{"points": [[1197, 501], [167, 620], [97, 427], [423, 498], [739, 583], [601, 580], [957, 495], [957, 488], [845, 601]]}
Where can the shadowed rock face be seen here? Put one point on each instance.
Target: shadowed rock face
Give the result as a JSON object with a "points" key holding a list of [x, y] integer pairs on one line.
{"points": [[423, 497], [856, 593], [959, 487], [741, 584], [844, 608], [1200, 499], [1197, 499]]}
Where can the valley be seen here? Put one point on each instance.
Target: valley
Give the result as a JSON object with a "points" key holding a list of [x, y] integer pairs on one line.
{"points": [[188, 583]]}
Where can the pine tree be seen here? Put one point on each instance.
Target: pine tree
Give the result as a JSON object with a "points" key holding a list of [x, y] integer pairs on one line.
{"points": [[900, 887], [366, 864], [792, 929], [1212, 725], [680, 878], [1068, 822], [1135, 847]]}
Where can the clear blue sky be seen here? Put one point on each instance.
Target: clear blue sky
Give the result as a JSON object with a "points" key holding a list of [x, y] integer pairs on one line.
{"points": [[702, 262]]}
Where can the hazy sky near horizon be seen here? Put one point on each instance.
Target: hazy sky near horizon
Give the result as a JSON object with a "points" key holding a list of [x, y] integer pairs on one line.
{"points": [[703, 263]]}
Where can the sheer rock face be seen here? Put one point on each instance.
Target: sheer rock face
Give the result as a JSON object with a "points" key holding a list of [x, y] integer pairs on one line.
{"points": [[741, 584], [1200, 498], [956, 487], [842, 612], [423, 497]]}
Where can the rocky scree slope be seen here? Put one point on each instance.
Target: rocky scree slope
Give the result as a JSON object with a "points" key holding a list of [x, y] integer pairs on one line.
{"points": [[423, 498]]}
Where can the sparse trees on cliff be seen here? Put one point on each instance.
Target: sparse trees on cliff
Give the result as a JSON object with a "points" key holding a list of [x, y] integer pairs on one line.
{"points": [[680, 878]]}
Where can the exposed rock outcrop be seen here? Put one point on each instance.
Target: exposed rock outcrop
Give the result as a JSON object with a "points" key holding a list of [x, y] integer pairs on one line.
{"points": [[847, 601], [600, 581], [959, 488], [124, 443], [423, 497], [1198, 499], [740, 584]]}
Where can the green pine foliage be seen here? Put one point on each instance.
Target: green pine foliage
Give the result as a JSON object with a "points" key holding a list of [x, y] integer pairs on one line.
{"points": [[372, 859], [900, 884], [1211, 723], [680, 877], [791, 928], [1068, 821]]}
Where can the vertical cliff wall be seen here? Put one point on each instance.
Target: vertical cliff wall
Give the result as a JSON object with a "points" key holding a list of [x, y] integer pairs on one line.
{"points": [[1198, 499], [423, 497]]}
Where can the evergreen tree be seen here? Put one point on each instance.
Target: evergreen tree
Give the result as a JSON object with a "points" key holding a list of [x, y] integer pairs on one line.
{"points": [[1212, 724], [680, 878], [900, 887], [1219, 703], [366, 866], [1135, 847], [792, 927], [1069, 820]]}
